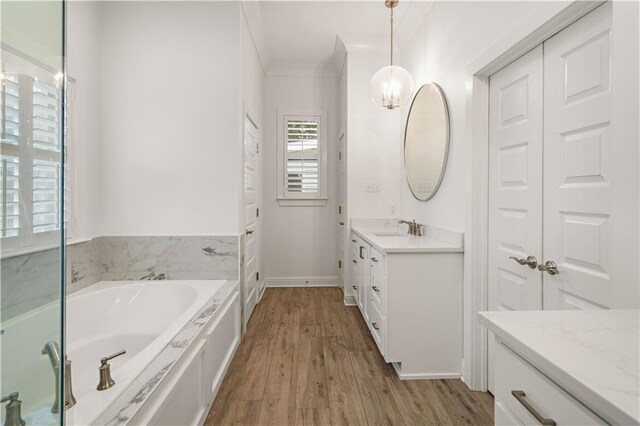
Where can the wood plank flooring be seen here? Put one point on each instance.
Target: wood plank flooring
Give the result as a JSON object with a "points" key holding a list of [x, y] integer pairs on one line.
{"points": [[307, 359]]}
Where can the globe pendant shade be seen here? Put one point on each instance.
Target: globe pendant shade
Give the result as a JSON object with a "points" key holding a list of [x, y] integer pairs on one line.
{"points": [[391, 87]]}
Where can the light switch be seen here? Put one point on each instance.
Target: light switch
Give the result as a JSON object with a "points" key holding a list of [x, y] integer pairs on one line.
{"points": [[372, 187]]}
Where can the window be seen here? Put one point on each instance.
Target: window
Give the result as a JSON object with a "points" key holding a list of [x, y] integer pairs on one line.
{"points": [[302, 159], [30, 161]]}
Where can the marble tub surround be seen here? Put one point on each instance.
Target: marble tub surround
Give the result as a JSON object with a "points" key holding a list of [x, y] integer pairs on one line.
{"points": [[388, 236], [30, 280], [172, 257], [121, 411], [593, 355]]}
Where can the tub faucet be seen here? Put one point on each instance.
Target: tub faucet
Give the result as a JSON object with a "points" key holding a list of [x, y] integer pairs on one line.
{"points": [[52, 350], [14, 415]]}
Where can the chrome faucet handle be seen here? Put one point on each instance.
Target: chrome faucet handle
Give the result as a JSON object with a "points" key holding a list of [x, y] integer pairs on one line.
{"points": [[106, 381], [14, 415]]}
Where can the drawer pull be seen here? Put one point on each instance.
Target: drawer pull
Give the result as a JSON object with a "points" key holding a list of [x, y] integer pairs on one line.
{"points": [[355, 287], [376, 289], [375, 327], [354, 261], [520, 396], [361, 256], [353, 241], [374, 259]]}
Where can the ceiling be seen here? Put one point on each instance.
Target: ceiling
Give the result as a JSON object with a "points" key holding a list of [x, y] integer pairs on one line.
{"points": [[302, 34]]}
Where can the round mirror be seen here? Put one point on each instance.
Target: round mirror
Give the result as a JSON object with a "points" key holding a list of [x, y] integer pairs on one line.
{"points": [[426, 141]]}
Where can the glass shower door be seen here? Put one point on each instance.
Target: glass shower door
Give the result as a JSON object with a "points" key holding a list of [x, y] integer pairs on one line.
{"points": [[32, 172]]}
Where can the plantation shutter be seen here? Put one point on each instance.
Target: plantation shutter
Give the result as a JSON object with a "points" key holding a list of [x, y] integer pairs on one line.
{"points": [[302, 156]]}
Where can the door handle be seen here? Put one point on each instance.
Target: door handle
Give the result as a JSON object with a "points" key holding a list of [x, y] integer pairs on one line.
{"points": [[549, 267], [249, 232], [530, 261], [520, 396]]}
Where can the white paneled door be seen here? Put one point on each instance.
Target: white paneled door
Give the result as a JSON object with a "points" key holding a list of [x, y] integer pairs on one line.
{"points": [[515, 187], [560, 184], [250, 289], [578, 145]]}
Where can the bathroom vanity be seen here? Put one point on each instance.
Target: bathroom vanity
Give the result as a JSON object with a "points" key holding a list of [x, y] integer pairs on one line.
{"points": [[566, 367], [409, 291]]}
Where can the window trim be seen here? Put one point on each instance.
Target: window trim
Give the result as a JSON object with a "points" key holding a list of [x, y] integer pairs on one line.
{"points": [[303, 199]]}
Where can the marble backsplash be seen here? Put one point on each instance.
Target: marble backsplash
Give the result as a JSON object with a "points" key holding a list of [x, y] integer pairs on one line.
{"points": [[28, 281]]}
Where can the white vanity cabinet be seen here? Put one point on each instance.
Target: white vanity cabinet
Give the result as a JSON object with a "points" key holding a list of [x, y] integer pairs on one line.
{"points": [[409, 291], [570, 367]]}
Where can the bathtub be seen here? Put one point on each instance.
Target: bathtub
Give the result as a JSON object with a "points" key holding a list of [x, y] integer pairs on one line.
{"points": [[141, 317]]}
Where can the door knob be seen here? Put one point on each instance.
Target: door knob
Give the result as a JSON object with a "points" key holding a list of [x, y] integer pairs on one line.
{"points": [[530, 261], [549, 267]]}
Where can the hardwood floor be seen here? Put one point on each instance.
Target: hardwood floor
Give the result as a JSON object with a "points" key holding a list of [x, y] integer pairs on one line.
{"points": [[307, 359]]}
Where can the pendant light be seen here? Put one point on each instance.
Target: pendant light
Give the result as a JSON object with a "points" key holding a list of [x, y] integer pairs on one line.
{"points": [[391, 86]]}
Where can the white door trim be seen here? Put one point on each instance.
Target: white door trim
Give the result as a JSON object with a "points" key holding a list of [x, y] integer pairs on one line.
{"points": [[546, 20]]}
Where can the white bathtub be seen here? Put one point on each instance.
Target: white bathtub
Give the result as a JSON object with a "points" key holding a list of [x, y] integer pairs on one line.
{"points": [[140, 317]]}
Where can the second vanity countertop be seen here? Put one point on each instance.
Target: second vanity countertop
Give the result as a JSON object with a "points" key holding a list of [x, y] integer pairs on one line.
{"points": [[593, 355], [388, 239]]}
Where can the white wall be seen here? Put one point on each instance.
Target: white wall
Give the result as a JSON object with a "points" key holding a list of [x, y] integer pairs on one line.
{"points": [[169, 102], [299, 241], [83, 23], [375, 144]]}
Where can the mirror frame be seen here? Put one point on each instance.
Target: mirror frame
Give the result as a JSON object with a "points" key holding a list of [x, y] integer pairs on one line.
{"points": [[445, 160]]}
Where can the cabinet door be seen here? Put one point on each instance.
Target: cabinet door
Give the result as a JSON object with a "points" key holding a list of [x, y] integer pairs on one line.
{"points": [[578, 149], [515, 186], [363, 281]]}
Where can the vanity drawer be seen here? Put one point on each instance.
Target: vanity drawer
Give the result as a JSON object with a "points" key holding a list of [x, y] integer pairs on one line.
{"points": [[377, 325], [377, 263], [514, 374], [377, 292]]}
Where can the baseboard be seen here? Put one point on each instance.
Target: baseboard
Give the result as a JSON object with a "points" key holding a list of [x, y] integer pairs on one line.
{"points": [[301, 281], [350, 300], [423, 376]]}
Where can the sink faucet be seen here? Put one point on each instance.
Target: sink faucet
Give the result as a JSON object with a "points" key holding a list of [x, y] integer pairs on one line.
{"points": [[14, 415], [414, 228], [52, 350]]}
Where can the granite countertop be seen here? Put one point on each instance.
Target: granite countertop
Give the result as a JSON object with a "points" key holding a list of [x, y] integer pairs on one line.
{"points": [[396, 240], [594, 355]]}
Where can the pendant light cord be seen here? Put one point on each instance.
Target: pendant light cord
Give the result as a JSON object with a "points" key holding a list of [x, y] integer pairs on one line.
{"points": [[391, 35]]}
